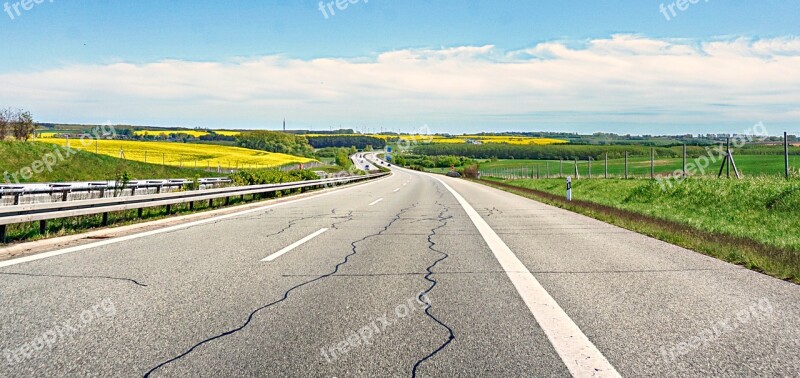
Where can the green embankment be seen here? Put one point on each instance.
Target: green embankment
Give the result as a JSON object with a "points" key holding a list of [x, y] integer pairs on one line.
{"points": [[18, 161], [754, 222]]}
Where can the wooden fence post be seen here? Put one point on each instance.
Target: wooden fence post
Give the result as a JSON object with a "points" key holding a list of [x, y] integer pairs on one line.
{"points": [[577, 173], [590, 167], [786, 153], [626, 165], [652, 163], [684, 160]]}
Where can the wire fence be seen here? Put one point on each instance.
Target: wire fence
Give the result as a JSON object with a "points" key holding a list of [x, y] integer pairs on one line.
{"points": [[721, 163]]}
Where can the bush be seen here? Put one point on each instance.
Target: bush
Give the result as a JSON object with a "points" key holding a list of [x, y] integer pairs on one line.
{"points": [[271, 176]]}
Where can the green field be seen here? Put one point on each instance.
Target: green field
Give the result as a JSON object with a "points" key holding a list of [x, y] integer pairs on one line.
{"points": [[749, 165], [83, 166], [765, 210]]}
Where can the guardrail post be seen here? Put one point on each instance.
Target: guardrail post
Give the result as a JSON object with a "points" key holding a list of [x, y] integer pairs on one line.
{"points": [[3, 238], [16, 198], [65, 196], [227, 201], [191, 205], [139, 212], [42, 227], [211, 203], [102, 193], [105, 219], [169, 209]]}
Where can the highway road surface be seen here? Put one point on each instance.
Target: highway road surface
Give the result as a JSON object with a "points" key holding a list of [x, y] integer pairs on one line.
{"points": [[410, 275]]}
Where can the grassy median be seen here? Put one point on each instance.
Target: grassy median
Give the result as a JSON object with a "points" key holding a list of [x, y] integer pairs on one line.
{"points": [[754, 222]]}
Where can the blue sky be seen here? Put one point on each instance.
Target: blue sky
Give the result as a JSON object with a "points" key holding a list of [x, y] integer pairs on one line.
{"points": [[56, 42]]}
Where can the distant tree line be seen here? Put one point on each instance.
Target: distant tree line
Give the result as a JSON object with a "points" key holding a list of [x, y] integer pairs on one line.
{"points": [[321, 132], [17, 124], [214, 137], [358, 141], [274, 141], [549, 152]]}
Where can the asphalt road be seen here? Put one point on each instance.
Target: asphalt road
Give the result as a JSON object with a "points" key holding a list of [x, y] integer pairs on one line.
{"points": [[396, 277]]}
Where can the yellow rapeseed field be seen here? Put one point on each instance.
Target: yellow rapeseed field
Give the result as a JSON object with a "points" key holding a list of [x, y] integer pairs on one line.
{"points": [[227, 133], [182, 154], [193, 133], [496, 139], [462, 138]]}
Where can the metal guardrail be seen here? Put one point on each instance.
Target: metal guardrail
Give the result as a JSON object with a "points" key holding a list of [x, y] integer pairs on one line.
{"points": [[64, 189], [43, 212]]}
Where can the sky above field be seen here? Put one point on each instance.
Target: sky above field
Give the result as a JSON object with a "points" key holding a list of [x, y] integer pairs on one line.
{"points": [[625, 66]]}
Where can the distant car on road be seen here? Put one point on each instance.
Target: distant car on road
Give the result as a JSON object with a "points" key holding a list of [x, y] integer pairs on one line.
{"points": [[453, 174]]}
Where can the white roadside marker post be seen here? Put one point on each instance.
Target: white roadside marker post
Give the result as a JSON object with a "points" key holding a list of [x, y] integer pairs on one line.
{"points": [[569, 188]]}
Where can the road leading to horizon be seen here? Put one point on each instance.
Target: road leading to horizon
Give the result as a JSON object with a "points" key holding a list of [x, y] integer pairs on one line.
{"points": [[409, 275]]}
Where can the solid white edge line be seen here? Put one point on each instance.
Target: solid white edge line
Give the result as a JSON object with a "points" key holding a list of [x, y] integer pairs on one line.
{"points": [[579, 354], [396, 190], [294, 245], [121, 239], [376, 201]]}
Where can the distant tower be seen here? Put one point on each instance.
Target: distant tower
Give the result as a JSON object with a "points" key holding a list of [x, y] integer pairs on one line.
{"points": [[284, 125]]}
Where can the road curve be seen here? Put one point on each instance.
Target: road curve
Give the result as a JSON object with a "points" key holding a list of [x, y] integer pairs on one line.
{"points": [[405, 276]]}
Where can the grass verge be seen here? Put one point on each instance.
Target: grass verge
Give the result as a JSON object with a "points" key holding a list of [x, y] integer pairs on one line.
{"points": [[760, 249]]}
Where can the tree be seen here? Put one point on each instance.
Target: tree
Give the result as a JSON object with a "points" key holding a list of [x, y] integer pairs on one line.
{"points": [[5, 118], [24, 126], [343, 159], [17, 124]]}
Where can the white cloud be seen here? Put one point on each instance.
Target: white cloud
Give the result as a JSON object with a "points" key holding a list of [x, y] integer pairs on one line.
{"points": [[622, 80]]}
